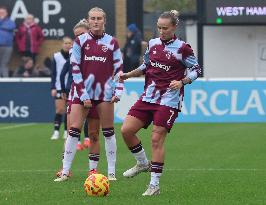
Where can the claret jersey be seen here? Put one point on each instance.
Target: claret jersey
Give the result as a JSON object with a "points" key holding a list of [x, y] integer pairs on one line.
{"points": [[96, 62], [163, 63]]}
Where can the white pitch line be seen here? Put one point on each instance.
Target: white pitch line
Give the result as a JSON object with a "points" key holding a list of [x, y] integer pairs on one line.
{"points": [[16, 126], [171, 170]]}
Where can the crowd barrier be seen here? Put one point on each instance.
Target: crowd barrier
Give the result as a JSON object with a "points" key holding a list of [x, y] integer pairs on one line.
{"points": [[206, 100]]}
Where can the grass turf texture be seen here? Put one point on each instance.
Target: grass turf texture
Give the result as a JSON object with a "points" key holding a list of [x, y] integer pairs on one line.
{"points": [[205, 164]]}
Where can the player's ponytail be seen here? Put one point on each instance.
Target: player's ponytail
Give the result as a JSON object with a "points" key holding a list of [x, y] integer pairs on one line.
{"points": [[83, 23], [173, 15]]}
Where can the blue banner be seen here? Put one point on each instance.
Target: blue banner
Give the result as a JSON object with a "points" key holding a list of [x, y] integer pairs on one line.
{"points": [[204, 101], [26, 102], [210, 101]]}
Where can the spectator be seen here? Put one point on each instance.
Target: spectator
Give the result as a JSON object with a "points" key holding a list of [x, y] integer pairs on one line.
{"points": [[29, 38], [132, 49], [26, 69], [7, 27], [45, 70]]}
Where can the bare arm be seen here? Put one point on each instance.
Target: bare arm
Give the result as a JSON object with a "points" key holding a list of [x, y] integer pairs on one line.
{"points": [[134, 73]]}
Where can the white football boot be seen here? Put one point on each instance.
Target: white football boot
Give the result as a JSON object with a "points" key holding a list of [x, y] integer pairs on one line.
{"points": [[111, 177], [152, 191], [61, 178], [55, 135], [138, 168]]}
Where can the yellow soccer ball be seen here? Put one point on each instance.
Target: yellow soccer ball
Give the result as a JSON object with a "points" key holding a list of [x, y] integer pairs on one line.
{"points": [[97, 185]]}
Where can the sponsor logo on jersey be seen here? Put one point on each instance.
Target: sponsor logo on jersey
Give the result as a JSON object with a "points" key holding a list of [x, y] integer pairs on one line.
{"points": [[95, 58], [159, 65]]}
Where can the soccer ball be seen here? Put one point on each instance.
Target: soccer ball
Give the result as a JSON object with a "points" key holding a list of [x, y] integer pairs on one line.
{"points": [[97, 185]]}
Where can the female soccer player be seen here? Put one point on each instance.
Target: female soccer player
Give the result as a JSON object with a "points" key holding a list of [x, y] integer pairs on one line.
{"points": [[59, 59], [80, 28], [169, 64], [96, 61]]}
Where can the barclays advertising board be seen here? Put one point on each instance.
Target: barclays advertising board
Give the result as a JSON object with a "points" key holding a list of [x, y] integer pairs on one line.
{"points": [[210, 101], [205, 101]]}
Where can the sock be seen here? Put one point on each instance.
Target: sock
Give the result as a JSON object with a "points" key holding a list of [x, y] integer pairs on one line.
{"points": [[70, 149], [139, 154], [86, 134], [93, 161], [65, 122], [57, 121], [110, 148], [156, 172]]}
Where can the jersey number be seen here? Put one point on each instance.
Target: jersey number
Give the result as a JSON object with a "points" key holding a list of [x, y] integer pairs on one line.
{"points": [[170, 118]]}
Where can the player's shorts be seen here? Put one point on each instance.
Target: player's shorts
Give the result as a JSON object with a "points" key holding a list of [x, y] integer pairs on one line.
{"points": [[92, 112], [160, 115]]}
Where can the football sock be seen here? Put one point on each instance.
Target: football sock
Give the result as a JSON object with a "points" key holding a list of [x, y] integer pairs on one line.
{"points": [[110, 148], [156, 172], [139, 154], [70, 149], [57, 121], [93, 160]]}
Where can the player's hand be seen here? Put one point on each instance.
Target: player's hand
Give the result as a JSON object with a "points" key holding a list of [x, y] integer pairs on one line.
{"points": [[115, 99], [64, 96], [176, 84], [122, 77], [53, 92], [87, 104]]}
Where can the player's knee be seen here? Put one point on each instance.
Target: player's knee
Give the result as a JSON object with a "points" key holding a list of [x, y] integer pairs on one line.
{"points": [[94, 136], [94, 133], [156, 142], [125, 131], [94, 140]]}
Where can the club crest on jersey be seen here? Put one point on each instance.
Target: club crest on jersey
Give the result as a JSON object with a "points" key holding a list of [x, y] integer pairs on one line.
{"points": [[87, 47], [104, 48], [168, 55]]}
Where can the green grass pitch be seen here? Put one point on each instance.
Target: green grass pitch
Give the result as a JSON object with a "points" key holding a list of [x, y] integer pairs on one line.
{"points": [[205, 164]]}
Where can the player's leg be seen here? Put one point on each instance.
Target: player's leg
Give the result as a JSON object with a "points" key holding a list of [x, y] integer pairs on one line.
{"points": [[86, 142], [139, 116], [68, 110], [77, 117], [106, 114], [130, 127], [157, 163], [65, 126], [79, 145], [59, 111], [163, 120], [94, 154], [59, 172]]}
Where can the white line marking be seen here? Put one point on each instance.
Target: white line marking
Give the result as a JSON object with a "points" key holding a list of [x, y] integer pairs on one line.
{"points": [[171, 170], [16, 126]]}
